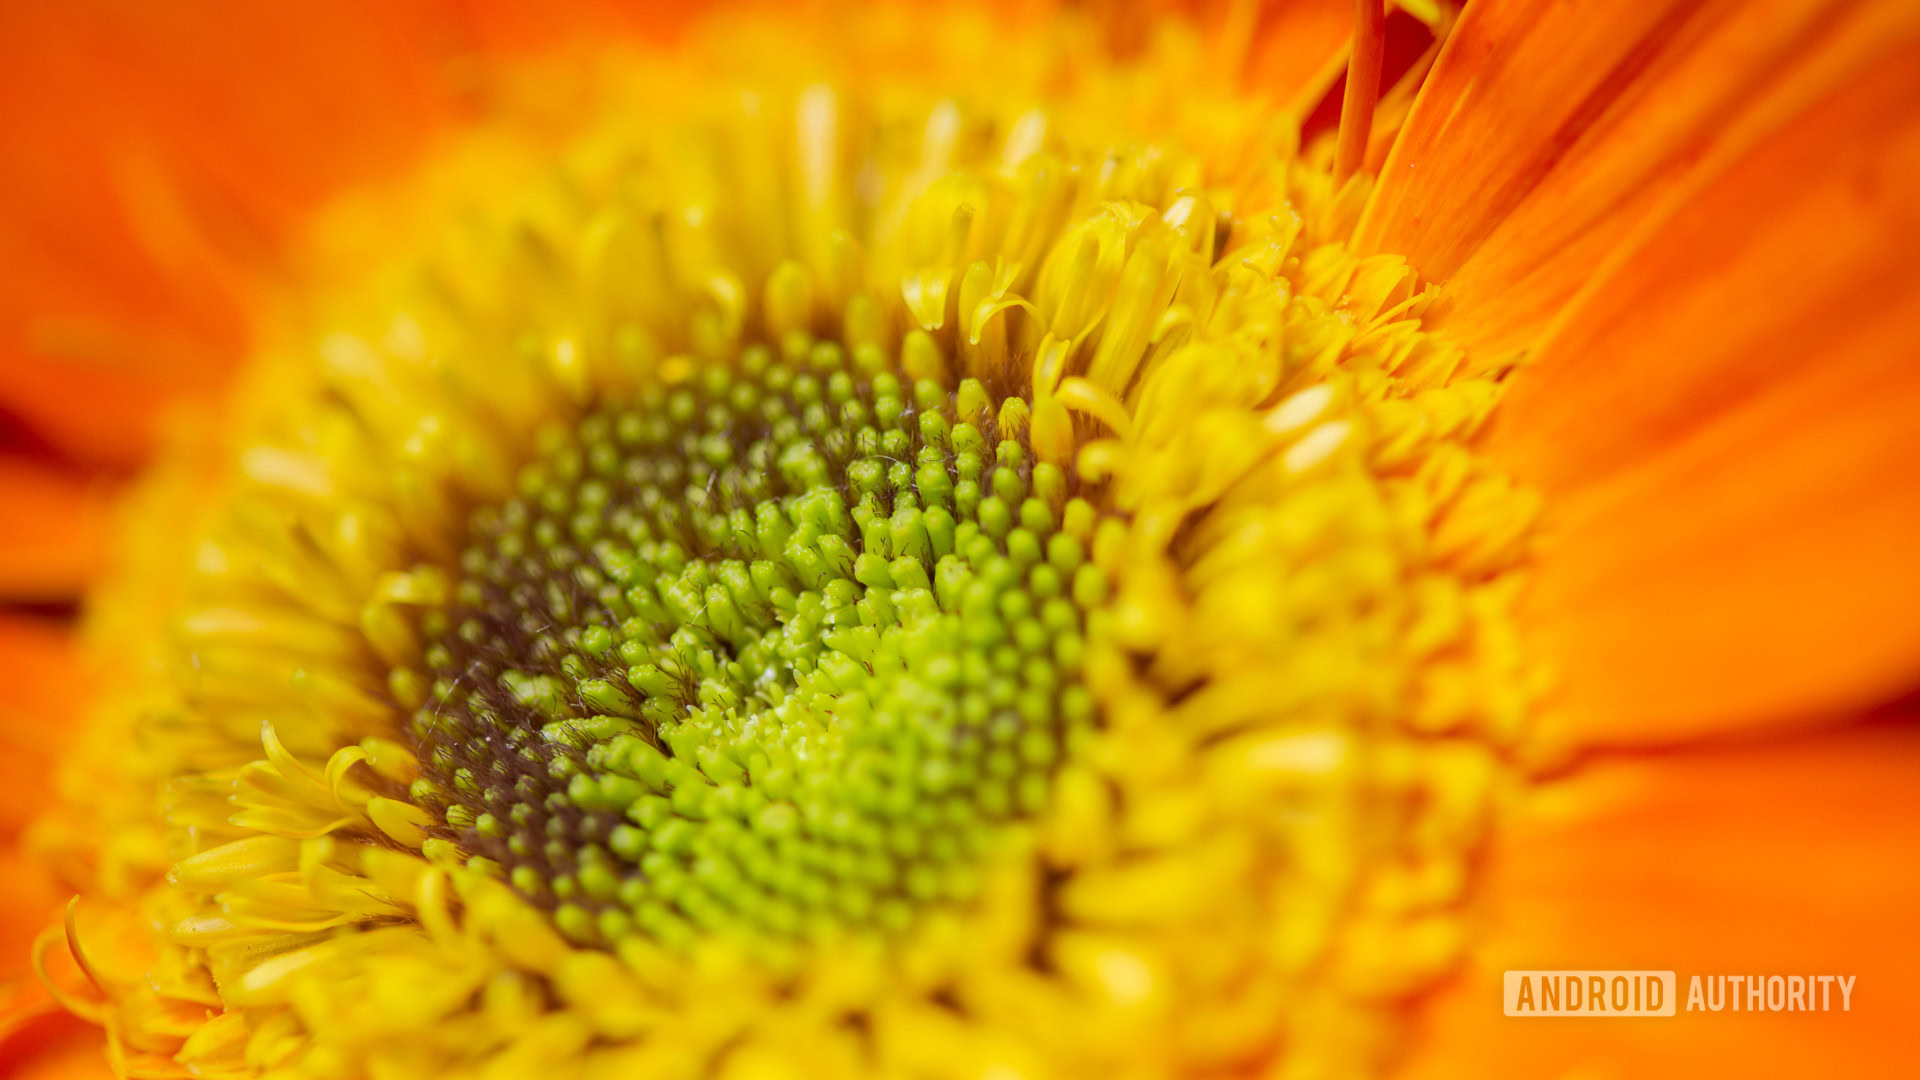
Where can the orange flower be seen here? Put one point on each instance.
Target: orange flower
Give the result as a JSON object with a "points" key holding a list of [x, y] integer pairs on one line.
{"points": [[1685, 228]]}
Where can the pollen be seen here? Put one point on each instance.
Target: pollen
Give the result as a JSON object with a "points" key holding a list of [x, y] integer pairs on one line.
{"points": [[821, 566]]}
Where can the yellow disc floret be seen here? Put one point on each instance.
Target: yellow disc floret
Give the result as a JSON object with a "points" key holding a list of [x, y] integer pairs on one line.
{"points": [[918, 553]]}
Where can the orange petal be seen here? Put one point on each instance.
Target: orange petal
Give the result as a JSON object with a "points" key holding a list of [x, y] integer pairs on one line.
{"points": [[55, 1046], [155, 157], [1299, 49], [54, 532], [1777, 860], [41, 684], [1725, 432], [1547, 131], [160, 158], [39, 681]]}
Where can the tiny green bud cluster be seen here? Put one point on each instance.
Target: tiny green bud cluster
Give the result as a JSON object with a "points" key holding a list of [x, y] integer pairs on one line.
{"points": [[777, 649]]}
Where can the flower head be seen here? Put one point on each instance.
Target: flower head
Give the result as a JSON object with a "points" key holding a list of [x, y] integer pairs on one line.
{"points": [[938, 543]]}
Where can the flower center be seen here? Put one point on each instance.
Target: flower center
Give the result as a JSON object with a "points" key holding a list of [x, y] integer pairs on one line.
{"points": [[775, 648]]}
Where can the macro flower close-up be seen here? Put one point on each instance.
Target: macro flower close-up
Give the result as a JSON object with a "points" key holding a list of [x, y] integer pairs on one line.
{"points": [[1009, 541]]}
